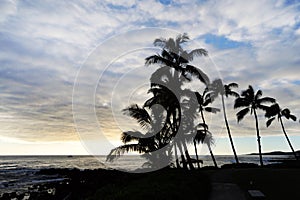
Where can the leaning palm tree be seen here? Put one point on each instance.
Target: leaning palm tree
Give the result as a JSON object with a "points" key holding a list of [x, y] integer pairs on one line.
{"points": [[252, 101], [275, 110], [226, 90], [204, 136], [147, 143], [144, 119]]}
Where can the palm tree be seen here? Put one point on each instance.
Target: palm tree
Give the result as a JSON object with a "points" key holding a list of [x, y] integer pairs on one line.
{"points": [[204, 100], [179, 116], [174, 57], [275, 110], [205, 137], [168, 100], [144, 119], [166, 86], [252, 101], [226, 90], [147, 143], [174, 71]]}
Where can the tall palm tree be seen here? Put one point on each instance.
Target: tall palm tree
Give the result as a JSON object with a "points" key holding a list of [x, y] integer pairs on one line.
{"points": [[166, 86], [204, 136], [174, 71], [252, 101], [204, 100], [226, 90], [275, 110]]}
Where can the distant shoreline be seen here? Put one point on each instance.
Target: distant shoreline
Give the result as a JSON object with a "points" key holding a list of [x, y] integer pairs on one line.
{"points": [[275, 153], [70, 156]]}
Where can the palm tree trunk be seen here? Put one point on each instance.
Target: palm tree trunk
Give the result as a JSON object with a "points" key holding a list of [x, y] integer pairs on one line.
{"points": [[258, 139], [184, 163], [176, 156], [228, 131], [196, 152], [187, 155], [209, 147], [287, 138], [212, 155]]}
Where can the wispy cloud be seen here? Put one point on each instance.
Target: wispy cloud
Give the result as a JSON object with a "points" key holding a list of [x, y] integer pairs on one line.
{"points": [[43, 45]]}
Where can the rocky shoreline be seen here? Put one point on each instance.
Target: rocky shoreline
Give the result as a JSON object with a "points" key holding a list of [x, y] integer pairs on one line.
{"points": [[112, 184]]}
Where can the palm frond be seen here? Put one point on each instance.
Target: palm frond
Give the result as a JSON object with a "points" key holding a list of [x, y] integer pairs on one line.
{"points": [[293, 117], [182, 38], [242, 113], [166, 55], [232, 93], [196, 52], [248, 93], [118, 151], [232, 85], [139, 114], [241, 102], [198, 73], [199, 98], [150, 102], [161, 76], [129, 136], [212, 110], [160, 42], [157, 59], [209, 98], [258, 94], [272, 110], [203, 125], [269, 122], [265, 100], [204, 136], [217, 85], [287, 114], [263, 107], [200, 136]]}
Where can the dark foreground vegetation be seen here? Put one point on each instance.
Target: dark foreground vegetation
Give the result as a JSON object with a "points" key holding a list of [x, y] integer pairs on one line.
{"points": [[112, 184], [276, 181]]}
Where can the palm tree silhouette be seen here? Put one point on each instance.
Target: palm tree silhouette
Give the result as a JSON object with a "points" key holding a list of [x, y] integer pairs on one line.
{"points": [[226, 90], [168, 100], [147, 143], [252, 101], [144, 119], [204, 136], [204, 99], [166, 83], [275, 110], [174, 71], [176, 58]]}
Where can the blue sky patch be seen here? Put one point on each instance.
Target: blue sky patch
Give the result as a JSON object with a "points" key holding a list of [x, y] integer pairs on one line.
{"points": [[165, 2], [222, 42], [296, 82]]}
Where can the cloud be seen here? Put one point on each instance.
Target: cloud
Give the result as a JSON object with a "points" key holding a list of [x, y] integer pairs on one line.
{"points": [[7, 8], [43, 45]]}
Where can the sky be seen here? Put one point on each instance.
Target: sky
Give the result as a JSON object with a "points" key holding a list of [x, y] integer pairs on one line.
{"points": [[68, 68]]}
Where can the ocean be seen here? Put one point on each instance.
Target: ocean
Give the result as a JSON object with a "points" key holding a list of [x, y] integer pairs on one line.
{"points": [[17, 173]]}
